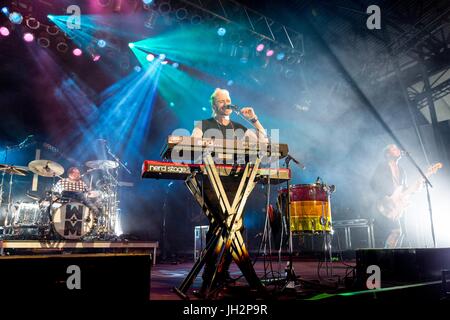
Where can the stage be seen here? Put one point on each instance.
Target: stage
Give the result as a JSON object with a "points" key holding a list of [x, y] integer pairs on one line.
{"points": [[225, 150]]}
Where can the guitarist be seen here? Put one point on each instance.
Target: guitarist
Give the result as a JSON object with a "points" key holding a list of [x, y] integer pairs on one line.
{"points": [[387, 178]]}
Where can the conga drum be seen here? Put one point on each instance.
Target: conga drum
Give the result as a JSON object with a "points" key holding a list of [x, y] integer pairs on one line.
{"points": [[310, 210]]}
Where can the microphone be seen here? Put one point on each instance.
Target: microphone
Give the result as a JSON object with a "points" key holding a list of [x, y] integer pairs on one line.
{"points": [[232, 107], [404, 153]]}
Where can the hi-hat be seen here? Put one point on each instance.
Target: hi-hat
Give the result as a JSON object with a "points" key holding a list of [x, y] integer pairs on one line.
{"points": [[102, 164], [46, 168], [18, 170]]}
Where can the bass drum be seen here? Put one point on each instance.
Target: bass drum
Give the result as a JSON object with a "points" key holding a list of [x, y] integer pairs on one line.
{"points": [[73, 220], [310, 210]]}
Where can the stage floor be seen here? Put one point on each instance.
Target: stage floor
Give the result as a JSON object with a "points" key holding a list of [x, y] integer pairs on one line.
{"points": [[166, 275]]}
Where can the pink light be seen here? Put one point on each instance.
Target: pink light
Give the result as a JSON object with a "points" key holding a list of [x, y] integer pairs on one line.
{"points": [[164, 62], [28, 37], [4, 31], [150, 57], [260, 47], [96, 57], [269, 53], [77, 52]]}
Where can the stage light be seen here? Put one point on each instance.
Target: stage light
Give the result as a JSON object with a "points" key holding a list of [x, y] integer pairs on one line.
{"points": [[289, 74], [137, 69], [147, 2], [230, 83], [50, 17], [221, 32], [77, 52], [175, 65], [5, 11], [196, 19], [164, 7], [16, 18], [4, 31], [28, 37], [32, 23], [43, 41], [293, 59], [245, 55], [52, 30], [172, 104], [260, 47], [131, 45], [96, 57], [204, 109], [181, 13], [150, 57], [280, 56], [162, 56], [102, 43], [164, 62], [62, 47], [269, 53]]}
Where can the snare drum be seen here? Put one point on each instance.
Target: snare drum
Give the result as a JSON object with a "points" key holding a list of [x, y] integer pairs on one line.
{"points": [[310, 208], [73, 220]]}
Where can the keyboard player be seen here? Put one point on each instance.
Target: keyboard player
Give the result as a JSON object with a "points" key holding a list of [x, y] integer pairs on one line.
{"points": [[220, 126]]}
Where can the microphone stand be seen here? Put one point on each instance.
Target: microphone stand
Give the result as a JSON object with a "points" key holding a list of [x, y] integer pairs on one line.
{"points": [[427, 185], [117, 159], [290, 274]]}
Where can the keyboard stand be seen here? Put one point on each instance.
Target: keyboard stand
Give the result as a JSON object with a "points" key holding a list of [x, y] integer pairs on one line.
{"points": [[227, 237]]}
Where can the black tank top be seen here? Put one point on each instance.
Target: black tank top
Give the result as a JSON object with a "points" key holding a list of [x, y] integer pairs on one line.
{"points": [[233, 130]]}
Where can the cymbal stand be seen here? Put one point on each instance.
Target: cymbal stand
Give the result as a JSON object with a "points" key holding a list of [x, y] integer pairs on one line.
{"points": [[1, 197], [7, 223], [50, 206]]}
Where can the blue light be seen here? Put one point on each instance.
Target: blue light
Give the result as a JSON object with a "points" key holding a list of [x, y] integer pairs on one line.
{"points": [[280, 56], [175, 65], [147, 1], [221, 32], [230, 82], [101, 43], [204, 109], [162, 56], [5, 11], [131, 45], [172, 104], [16, 18], [137, 69]]}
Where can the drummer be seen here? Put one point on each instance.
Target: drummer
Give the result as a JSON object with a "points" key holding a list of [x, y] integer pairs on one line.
{"points": [[73, 182]]}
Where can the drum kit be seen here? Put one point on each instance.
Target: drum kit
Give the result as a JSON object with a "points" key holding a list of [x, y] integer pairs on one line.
{"points": [[62, 214]]}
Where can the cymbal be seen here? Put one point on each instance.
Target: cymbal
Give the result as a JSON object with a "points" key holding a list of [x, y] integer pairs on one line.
{"points": [[33, 196], [102, 164], [46, 168], [18, 170]]}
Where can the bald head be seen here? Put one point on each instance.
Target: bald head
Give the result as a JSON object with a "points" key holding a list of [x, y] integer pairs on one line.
{"points": [[220, 98]]}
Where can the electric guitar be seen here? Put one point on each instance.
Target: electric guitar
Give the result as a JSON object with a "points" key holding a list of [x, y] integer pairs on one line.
{"points": [[394, 205]]}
